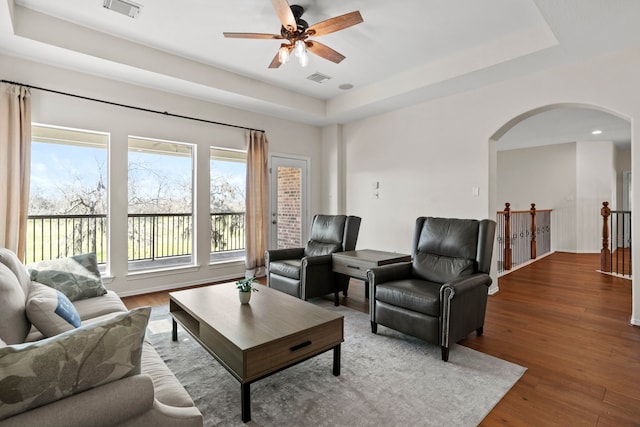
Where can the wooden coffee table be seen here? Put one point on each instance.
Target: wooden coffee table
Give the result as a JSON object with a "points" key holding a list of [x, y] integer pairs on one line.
{"points": [[252, 341]]}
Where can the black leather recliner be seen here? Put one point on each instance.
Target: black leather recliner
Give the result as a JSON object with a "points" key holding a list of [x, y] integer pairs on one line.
{"points": [[441, 295], [306, 272]]}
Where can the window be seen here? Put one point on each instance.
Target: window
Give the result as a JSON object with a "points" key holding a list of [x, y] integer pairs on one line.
{"points": [[68, 194], [68, 206], [160, 203], [227, 203]]}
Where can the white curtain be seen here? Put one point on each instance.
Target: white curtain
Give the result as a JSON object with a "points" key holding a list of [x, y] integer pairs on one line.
{"points": [[257, 201], [15, 165]]}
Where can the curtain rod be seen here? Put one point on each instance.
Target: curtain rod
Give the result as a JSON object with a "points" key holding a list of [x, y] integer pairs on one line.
{"points": [[164, 113]]}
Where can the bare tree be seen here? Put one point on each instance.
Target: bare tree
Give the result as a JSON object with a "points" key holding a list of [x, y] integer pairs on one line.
{"points": [[151, 190]]}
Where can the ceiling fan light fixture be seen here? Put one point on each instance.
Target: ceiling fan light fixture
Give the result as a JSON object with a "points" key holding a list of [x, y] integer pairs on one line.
{"points": [[304, 59], [283, 54], [299, 49], [296, 31]]}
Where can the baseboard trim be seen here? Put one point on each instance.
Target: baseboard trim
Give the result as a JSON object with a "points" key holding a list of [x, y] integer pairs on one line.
{"points": [[175, 286], [524, 264]]}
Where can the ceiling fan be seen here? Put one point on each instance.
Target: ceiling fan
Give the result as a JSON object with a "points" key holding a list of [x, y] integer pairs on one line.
{"points": [[297, 32]]}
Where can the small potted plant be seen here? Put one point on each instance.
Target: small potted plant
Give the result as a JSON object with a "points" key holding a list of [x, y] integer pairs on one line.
{"points": [[245, 287]]}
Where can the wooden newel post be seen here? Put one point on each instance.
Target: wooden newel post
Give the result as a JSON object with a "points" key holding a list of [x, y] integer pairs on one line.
{"points": [[605, 253], [533, 230], [507, 237]]}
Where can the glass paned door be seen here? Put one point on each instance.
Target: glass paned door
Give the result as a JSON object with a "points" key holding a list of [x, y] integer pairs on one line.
{"points": [[288, 202]]}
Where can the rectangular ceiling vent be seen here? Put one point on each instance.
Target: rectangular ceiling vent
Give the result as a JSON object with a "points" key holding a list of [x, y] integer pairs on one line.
{"points": [[124, 7], [318, 77]]}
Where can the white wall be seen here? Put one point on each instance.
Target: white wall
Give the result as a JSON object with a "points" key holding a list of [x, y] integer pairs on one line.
{"points": [[333, 176], [426, 163], [428, 157], [623, 164], [48, 108], [545, 176], [596, 183]]}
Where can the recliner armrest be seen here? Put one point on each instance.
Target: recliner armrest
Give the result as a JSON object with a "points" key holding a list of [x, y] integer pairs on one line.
{"points": [[463, 305], [316, 260], [386, 273], [466, 283], [280, 254], [317, 276]]}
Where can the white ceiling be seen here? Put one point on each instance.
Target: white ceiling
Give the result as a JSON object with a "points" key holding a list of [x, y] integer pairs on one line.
{"points": [[404, 52]]}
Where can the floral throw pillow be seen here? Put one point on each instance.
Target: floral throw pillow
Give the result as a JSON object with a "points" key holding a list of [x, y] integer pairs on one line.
{"points": [[38, 373], [78, 277]]}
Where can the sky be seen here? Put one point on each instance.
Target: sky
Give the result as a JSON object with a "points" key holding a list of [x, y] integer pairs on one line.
{"points": [[55, 163]]}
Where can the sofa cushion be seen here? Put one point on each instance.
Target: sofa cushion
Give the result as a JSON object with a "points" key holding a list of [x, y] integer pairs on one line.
{"points": [[288, 268], [94, 307], [14, 325], [10, 259], [34, 335], [35, 374], [50, 310], [77, 277]]}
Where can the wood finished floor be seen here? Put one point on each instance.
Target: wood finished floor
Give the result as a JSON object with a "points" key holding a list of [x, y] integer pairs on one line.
{"points": [[569, 326]]}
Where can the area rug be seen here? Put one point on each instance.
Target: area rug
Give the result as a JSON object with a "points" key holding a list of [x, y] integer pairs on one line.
{"points": [[387, 379]]}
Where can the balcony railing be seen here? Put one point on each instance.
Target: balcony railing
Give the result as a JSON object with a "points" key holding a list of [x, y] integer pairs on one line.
{"points": [[154, 236], [522, 236], [57, 236], [150, 236], [615, 255]]}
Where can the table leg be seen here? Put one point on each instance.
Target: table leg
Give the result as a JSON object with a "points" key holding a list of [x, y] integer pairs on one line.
{"points": [[174, 330], [336, 360], [245, 398], [366, 289]]}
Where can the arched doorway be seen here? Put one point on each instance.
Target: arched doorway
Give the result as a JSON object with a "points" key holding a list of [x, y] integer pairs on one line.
{"points": [[549, 156]]}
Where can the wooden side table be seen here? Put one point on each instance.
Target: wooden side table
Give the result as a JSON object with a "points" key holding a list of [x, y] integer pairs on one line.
{"points": [[356, 263]]}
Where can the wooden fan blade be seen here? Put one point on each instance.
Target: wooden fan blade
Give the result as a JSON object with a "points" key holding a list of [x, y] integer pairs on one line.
{"points": [[283, 10], [275, 63], [335, 24], [252, 36], [324, 51]]}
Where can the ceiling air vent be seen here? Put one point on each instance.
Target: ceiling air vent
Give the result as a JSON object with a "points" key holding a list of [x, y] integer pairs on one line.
{"points": [[124, 7], [318, 77]]}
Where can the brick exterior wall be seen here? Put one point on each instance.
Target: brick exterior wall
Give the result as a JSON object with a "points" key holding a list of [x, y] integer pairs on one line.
{"points": [[289, 208]]}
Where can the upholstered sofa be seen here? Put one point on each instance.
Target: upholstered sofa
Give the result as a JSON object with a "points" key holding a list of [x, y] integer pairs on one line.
{"points": [[79, 359]]}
